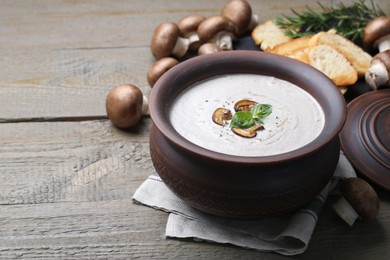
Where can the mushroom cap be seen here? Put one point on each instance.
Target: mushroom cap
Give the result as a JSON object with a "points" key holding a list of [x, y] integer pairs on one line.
{"points": [[190, 24], [378, 75], [376, 29], [211, 26], [362, 197], [240, 13], [159, 68], [221, 116], [124, 105], [248, 132], [384, 57], [208, 48], [164, 39]]}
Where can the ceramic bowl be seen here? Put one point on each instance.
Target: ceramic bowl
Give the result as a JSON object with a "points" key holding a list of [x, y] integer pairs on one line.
{"points": [[244, 186]]}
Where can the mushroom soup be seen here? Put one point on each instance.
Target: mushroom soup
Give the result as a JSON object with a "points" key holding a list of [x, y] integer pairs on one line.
{"points": [[296, 118]]}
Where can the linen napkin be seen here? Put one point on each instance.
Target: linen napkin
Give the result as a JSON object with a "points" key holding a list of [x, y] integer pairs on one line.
{"points": [[287, 234]]}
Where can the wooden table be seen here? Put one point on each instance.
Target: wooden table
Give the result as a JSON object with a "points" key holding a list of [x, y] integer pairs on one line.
{"points": [[67, 175]]}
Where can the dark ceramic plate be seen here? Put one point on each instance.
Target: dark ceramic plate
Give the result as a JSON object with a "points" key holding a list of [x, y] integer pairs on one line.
{"points": [[365, 138]]}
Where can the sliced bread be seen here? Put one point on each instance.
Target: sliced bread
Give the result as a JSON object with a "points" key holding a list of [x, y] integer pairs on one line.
{"points": [[296, 49], [268, 35], [360, 59], [333, 64], [292, 46]]}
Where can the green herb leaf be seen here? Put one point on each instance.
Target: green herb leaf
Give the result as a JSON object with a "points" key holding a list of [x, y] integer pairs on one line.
{"points": [[246, 119], [261, 110], [242, 119], [348, 21]]}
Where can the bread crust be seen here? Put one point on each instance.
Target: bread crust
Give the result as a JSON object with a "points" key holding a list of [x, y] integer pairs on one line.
{"points": [[268, 35], [333, 64], [344, 64], [359, 59], [296, 49]]}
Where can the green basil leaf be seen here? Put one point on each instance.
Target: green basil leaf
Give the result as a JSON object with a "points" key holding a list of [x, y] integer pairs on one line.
{"points": [[261, 110], [242, 119]]}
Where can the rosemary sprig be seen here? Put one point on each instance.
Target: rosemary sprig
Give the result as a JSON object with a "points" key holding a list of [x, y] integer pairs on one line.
{"points": [[348, 21]]}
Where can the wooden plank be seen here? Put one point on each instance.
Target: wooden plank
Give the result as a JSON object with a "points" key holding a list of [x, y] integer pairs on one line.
{"points": [[65, 83], [95, 24], [90, 24], [71, 161], [66, 67], [116, 229], [119, 229]]}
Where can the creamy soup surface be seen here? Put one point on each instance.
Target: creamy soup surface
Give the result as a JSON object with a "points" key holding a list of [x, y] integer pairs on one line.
{"points": [[295, 121]]}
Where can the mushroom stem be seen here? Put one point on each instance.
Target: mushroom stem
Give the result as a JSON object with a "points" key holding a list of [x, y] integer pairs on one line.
{"points": [[345, 211], [145, 106], [181, 47], [193, 38], [254, 22], [384, 43], [359, 200], [377, 75], [224, 40]]}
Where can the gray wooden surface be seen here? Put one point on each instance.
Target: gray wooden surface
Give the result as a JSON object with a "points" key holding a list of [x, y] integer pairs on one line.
{"points": [[67, 175]]}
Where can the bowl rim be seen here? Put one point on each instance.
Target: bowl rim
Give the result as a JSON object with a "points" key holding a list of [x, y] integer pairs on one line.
{"points": [[202, 67]]}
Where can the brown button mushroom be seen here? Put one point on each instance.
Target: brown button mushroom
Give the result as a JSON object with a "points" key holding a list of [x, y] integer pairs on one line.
{"points": [[125, 105], [359, 201], [248, 132], [188, 29], [377, 34], [218, 29], [378, 74], [159, 68], [244, 105], [240, 13], [166, 41], [208, 48], [221, 116]]}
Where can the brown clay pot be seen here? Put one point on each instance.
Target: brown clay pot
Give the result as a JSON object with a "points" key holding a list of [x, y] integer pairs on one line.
{"points": [[238, 186]]}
